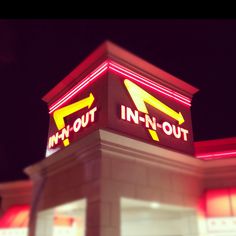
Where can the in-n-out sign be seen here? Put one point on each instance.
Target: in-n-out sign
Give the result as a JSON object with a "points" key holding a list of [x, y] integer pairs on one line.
{"points": [[64, 132], [152, 124], [140, 98], [139, 116]]}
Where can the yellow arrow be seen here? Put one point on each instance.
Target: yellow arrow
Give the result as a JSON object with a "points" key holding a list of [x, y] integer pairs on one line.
{"points": [[140, 97], [60, 114]]}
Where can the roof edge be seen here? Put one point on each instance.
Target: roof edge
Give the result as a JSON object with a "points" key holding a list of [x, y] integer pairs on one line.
{"points": [[112, 51]]}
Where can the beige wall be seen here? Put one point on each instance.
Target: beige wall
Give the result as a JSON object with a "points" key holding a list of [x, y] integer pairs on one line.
{"points": [[104, 167]]}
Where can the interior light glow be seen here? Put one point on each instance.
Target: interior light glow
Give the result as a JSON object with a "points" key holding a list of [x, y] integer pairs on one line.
{"points": [[216, 155], [14, 232], [233, 200], [127, 74], [61, 220], [155, 205], [15, 221], [218, 203], [219, 208], [222, 224], [15, 217]]}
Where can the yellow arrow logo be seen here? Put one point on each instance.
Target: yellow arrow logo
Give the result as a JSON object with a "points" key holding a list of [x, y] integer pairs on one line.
{"points": [[140, 97], [60, 114]]}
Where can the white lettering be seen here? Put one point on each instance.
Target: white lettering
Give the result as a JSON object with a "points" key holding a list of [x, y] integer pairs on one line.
{"points": [[53, 140], [123, 117], [65, 132], [167, 128], [84, 120], [77, 125], [150, 122], [185, 132], [176, 131], [81, 122], [132, 115], [92, 114]]}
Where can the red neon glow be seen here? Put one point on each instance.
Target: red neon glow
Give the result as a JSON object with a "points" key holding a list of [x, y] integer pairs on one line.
{"points": [[78, 89], [61, 220], [216, 155], [127, 74], [202, 205], [233, 200], [91, 77], [218, 203], [160, 88], [149, 86], [15, 217], [220, 209]]}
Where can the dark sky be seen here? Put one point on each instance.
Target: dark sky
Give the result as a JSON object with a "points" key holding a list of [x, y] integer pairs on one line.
{"points": [[36, 54]]}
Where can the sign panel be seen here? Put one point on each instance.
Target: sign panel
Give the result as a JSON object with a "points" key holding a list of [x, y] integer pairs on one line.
{"points": [[84, 113], [141, 112], [80, 123], [126, 102]]}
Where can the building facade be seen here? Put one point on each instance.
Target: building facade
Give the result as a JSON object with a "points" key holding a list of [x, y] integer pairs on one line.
{"points": [[121, 159]]}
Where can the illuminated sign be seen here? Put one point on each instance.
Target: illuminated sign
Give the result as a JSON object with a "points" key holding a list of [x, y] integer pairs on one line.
{"points": [[81, 122], [152, 125], [114, 97], [139, 111], [140, 98]]}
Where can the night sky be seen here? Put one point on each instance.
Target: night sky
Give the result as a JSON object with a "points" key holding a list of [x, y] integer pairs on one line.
{"points": [[36, 54]]}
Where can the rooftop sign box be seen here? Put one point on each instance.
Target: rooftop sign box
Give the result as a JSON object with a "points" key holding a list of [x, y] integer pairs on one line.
{"points": [[116, 90]]}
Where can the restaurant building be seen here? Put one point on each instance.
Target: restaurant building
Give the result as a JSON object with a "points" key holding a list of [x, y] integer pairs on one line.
{"points": [[121, 159]]}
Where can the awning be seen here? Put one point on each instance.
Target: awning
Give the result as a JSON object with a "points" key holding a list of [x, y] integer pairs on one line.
{"points": [[15, 217], [18, 217], [220, 210], [220, 202]]}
